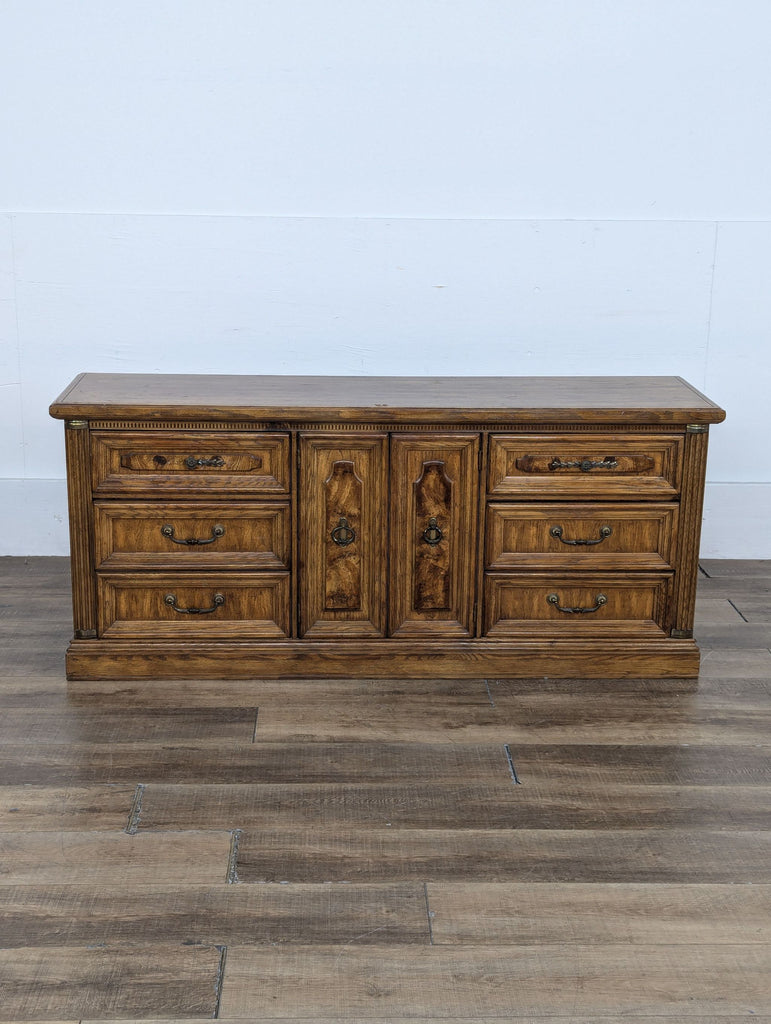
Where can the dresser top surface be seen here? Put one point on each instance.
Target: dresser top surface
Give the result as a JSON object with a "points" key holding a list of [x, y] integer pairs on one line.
{"points": [[220, 397]]}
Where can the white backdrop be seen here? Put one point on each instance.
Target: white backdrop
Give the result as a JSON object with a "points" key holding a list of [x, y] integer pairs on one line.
{"points": [[417, 187]]}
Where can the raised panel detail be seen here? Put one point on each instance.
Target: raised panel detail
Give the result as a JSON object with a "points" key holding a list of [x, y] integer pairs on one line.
{"points": [[343, 530], [434, 492]]}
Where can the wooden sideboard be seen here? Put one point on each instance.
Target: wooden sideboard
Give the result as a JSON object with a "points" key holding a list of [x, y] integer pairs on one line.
{"points": [[245, 526]]}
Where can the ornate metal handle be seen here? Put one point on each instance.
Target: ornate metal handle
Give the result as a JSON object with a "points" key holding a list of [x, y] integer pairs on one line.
{"points": [[171, 601], [585, 465], [216, 533], [432, 534], [605, 531], [343, 534], [554, 599], [192, 462]]}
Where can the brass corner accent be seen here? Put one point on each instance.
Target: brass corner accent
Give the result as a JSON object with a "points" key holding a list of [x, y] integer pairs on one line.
{"points": [[85, 634], [681, 634], [77, 424], [697, 428]]}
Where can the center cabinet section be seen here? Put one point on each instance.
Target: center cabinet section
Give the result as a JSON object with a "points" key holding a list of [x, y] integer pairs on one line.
{"points": [[387, 534]]}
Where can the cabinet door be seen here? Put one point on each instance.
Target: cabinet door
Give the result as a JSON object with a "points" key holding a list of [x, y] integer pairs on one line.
{"points": [[434, 488], [343, 531]]}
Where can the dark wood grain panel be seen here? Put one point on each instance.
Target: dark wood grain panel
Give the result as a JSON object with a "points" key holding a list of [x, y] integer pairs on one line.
{"points": [[343, 493], [432, 570], [220, 915], [433, 567], [343, 490], [113, 982], [587, 914], [443, 980]]}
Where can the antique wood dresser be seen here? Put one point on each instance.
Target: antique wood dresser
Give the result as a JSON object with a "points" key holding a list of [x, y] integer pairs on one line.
{"points": [[245, 526]]}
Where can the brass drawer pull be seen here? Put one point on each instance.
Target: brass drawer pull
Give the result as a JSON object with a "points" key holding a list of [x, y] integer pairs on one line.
{"points": [[171, 601], [605, 531], [554, 599], [343, 534], [432, 534], [216, 533], [585, 465], [193, 463]]}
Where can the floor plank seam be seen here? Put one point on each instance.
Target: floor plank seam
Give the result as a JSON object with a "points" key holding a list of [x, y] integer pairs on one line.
{"points": [[512, 768], [132, 826], [489, 694], [738, 612], [429, 915], [219, 980], [256, 717], [232, 875]]}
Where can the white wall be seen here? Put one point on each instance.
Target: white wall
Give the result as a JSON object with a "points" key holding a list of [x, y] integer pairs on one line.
{"points": [[417, 187]]}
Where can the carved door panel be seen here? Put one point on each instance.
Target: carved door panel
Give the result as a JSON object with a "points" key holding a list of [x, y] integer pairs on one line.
{"points": [[434, 488], [343, 531]]}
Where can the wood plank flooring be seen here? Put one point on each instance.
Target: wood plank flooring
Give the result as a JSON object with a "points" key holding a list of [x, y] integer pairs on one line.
{"points": [[382, 851]]}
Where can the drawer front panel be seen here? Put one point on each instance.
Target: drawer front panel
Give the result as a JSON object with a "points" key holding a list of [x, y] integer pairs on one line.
{"points": [[201, 606], [599, 466], [434, 490], [191, 535], [580, 536], [189, 461], [343, 493], [576, 605]]}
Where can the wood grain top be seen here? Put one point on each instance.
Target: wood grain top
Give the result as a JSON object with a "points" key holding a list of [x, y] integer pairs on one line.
{"points": [[223, 398]]}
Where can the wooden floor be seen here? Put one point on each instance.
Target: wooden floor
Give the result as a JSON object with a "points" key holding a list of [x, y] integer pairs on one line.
{"points": [[351, 851]]}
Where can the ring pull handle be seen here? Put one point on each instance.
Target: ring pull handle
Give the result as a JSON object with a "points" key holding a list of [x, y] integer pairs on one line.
{"points": [[554, 599], [171, 601], [605, 531], [193, 461], [216, 533], [432, 534], [585, 465], [343, 534]]}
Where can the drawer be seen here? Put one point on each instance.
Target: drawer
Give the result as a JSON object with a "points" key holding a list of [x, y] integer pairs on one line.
{"points": [[201, 606], [580, 536], [189, 461], [191, 535], [600, 465], [562, 605]]}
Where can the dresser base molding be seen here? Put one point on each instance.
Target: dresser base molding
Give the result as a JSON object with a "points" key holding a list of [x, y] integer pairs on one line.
{"points": [[448, 659]]}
